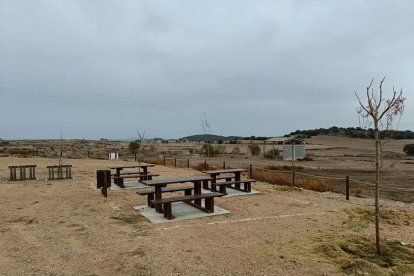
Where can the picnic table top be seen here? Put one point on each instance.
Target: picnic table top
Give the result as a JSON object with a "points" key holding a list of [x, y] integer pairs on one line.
{"points": [[163, 181], [225, 171], [131, 166]]}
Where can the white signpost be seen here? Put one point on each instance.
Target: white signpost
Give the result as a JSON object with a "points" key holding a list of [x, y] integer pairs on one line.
{"points": [[113, 156], [293, 152]]}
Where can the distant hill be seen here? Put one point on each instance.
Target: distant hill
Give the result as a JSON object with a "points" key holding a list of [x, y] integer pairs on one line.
{"points": [[209, 137], [354, 132]]}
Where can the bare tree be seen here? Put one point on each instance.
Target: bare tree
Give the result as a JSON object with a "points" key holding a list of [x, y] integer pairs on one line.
{"points": [[205, 125], [60, 155], [380, 114], [140, 140]]}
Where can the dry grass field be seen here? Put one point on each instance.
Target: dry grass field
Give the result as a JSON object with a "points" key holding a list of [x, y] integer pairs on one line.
{"points": [[68, 228]]}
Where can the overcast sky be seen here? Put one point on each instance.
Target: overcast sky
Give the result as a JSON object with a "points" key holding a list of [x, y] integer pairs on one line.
{"points": [[109, 68]]}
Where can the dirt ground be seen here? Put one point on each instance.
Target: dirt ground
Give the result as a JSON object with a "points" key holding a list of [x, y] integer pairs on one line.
{"points": [[68, 228]]}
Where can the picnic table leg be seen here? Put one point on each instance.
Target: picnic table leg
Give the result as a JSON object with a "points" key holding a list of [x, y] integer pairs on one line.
{"points": [[145, 172], [223, 189], [158, 207], [237, 178], [210, 204], [213, 183], [118, 173], [248, 187], [197, 191], [205, 185]]}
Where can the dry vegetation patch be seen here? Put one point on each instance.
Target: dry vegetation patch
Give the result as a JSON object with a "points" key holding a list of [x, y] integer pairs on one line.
{"points": [[356, 255], [363, 217]]}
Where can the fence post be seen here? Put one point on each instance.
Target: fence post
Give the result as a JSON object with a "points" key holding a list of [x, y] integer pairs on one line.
{"points": [[37, 152], [11, 151], [105, 186], [250, 171], [175, 162], [264, 150], [205, 164], [88, 154], [224, 165], [293, 177], [188, 163], [347, 187], [164, 160]]}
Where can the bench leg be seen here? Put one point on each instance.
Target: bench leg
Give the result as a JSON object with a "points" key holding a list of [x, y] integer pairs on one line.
{"points": [[237, 185], [213, 187], [149, 177], [209, 202], [248, 187], [121, 182], [187, 192], [223, 189], [205, 185], [168, 211], [150, 197]]}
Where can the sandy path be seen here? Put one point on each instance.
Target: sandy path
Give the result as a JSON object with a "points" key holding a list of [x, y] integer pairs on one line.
{"points": [[67, 228]]}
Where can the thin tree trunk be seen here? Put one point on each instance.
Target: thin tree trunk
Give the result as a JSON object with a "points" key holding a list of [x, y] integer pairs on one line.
{"points": [[377, 180]]}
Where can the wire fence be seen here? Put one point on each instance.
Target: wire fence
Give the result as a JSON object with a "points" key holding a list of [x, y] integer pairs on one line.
{"points": [[281, 175], [348, 185]]}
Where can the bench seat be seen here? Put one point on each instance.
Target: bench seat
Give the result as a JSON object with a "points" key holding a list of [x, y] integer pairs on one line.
{"points": [[129, 173], [150, 193], [225, 177], [119, 179], [209, 202], [247, 187]]}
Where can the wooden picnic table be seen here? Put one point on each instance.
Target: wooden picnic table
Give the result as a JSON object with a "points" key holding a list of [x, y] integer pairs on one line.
{"points": [[118, 170], [234, 173], [215, 173], [159, 183]]}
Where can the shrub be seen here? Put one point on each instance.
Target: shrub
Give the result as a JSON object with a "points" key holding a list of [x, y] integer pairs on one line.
{"points": [[233, 142], [133, 146], [220, 142], [319, 186], [210, 150], [271, 154], [254, 149], [409, 149], [284, 168], [236, 150], [203, 166], [272, 178], [220, 148]]}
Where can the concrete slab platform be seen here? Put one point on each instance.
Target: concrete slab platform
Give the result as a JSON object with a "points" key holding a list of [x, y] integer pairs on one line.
{"points": [[234, 192], [180, 210], [128, 186]]}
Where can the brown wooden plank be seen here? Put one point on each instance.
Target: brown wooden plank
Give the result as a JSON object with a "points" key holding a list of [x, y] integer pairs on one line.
{"points": [[164, 181]]}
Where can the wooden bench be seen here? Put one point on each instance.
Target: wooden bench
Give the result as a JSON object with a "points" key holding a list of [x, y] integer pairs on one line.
{"points": [[227, 178], [247, 185], [209, 202], [119, 180], [150, 193], [60, 172], [24, 175]]}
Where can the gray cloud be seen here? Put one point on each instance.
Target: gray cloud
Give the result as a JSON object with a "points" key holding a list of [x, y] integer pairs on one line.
{"points": [[255, 68]]}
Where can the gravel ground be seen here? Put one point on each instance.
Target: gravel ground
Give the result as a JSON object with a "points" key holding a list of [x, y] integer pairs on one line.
{"points": [[68, 228]]}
